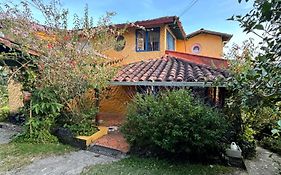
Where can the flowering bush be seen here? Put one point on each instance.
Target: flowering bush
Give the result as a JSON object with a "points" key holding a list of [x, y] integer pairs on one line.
{"points": [[53, 56]]}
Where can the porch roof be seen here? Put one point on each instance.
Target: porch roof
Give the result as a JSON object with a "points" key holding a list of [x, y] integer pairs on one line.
{"points": [[169, 71]]}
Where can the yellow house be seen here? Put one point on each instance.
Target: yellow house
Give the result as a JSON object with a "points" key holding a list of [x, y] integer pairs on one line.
{"points": [[157, 54]]}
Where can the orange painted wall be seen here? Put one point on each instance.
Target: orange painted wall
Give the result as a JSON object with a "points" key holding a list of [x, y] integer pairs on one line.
{"points": [[113, 104], [211, 45]]}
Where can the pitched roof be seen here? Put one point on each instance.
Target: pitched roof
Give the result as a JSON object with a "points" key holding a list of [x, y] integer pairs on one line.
{"points": [[200, 59], [225, 36], [167, 69], [13, 45], [173, 22]]}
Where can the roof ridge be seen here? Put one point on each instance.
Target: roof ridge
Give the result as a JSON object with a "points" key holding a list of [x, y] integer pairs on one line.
{"points": [[151, 19], [216, 58], [226, 36], [166, 57]]}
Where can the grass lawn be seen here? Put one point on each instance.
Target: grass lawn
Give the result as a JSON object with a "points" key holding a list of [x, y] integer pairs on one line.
{"points": [[145, 166], [15, 155]]}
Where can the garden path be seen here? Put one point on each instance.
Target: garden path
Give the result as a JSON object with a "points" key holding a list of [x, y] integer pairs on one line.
{"points": [[264, 163], [68, 164], [6, 133]]}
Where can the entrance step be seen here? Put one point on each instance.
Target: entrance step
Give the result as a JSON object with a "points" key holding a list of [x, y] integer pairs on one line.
{"points": [[107, 151], [113, 144]]}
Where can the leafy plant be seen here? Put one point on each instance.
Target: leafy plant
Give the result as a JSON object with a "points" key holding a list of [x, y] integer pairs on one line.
{"points": [[276, 132], [84, 124], [174, 122], [42, 113], [271, 143], [4, 109], [255, 79], [4, 112]]}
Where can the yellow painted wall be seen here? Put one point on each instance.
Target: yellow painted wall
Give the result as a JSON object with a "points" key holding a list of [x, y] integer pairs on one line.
{"points": [[181, 46], [211, 45], [129, 52], [15, 96], [117, 99]]}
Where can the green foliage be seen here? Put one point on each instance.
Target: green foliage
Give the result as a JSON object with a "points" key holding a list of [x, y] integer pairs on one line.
{"points": [[4, 109], [136, 165], [271, 143], [4, 112], [174, 122], [42, 111], [262, 83], [277, 130], [82, 124], [69, 61], [247, 142], [256, 78]]}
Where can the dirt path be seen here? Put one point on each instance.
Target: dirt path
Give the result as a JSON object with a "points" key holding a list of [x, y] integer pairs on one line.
{"points": [[263, 164], [69, 164]]}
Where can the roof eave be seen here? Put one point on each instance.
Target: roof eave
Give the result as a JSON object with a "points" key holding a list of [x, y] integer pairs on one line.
{"points": [[225, 36], [167, 84]]}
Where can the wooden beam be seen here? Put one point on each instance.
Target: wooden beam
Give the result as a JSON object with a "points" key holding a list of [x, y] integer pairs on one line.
{"points": [[175, 84]]}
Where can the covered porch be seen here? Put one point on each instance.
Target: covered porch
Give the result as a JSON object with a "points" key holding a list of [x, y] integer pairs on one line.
{"points": [[156, 75]]}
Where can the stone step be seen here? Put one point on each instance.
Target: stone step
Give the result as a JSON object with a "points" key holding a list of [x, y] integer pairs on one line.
{"points": [[103, 150]]}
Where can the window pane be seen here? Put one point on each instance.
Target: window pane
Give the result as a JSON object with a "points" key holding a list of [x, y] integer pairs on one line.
{"points": [[153, 40], [140, 40], [170, 41]]}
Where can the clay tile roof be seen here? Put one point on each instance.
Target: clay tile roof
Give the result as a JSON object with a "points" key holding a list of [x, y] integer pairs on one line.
{"points": [[11, 44], [173, 22], [168, 69], [161, 20]]}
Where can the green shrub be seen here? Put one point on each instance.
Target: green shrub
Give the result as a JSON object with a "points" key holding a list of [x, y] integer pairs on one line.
{"points": [[83, 124], [174, 122], [271, 143], [42, 112], [79, 118], [4, 109], [4, 112]]}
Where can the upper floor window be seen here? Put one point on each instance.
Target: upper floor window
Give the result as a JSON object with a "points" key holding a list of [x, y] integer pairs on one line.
{"points": [[170, 41], [148, 40]]}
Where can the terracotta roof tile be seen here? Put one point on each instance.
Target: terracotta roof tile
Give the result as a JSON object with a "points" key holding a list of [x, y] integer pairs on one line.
{"points": [[168, 69]]}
